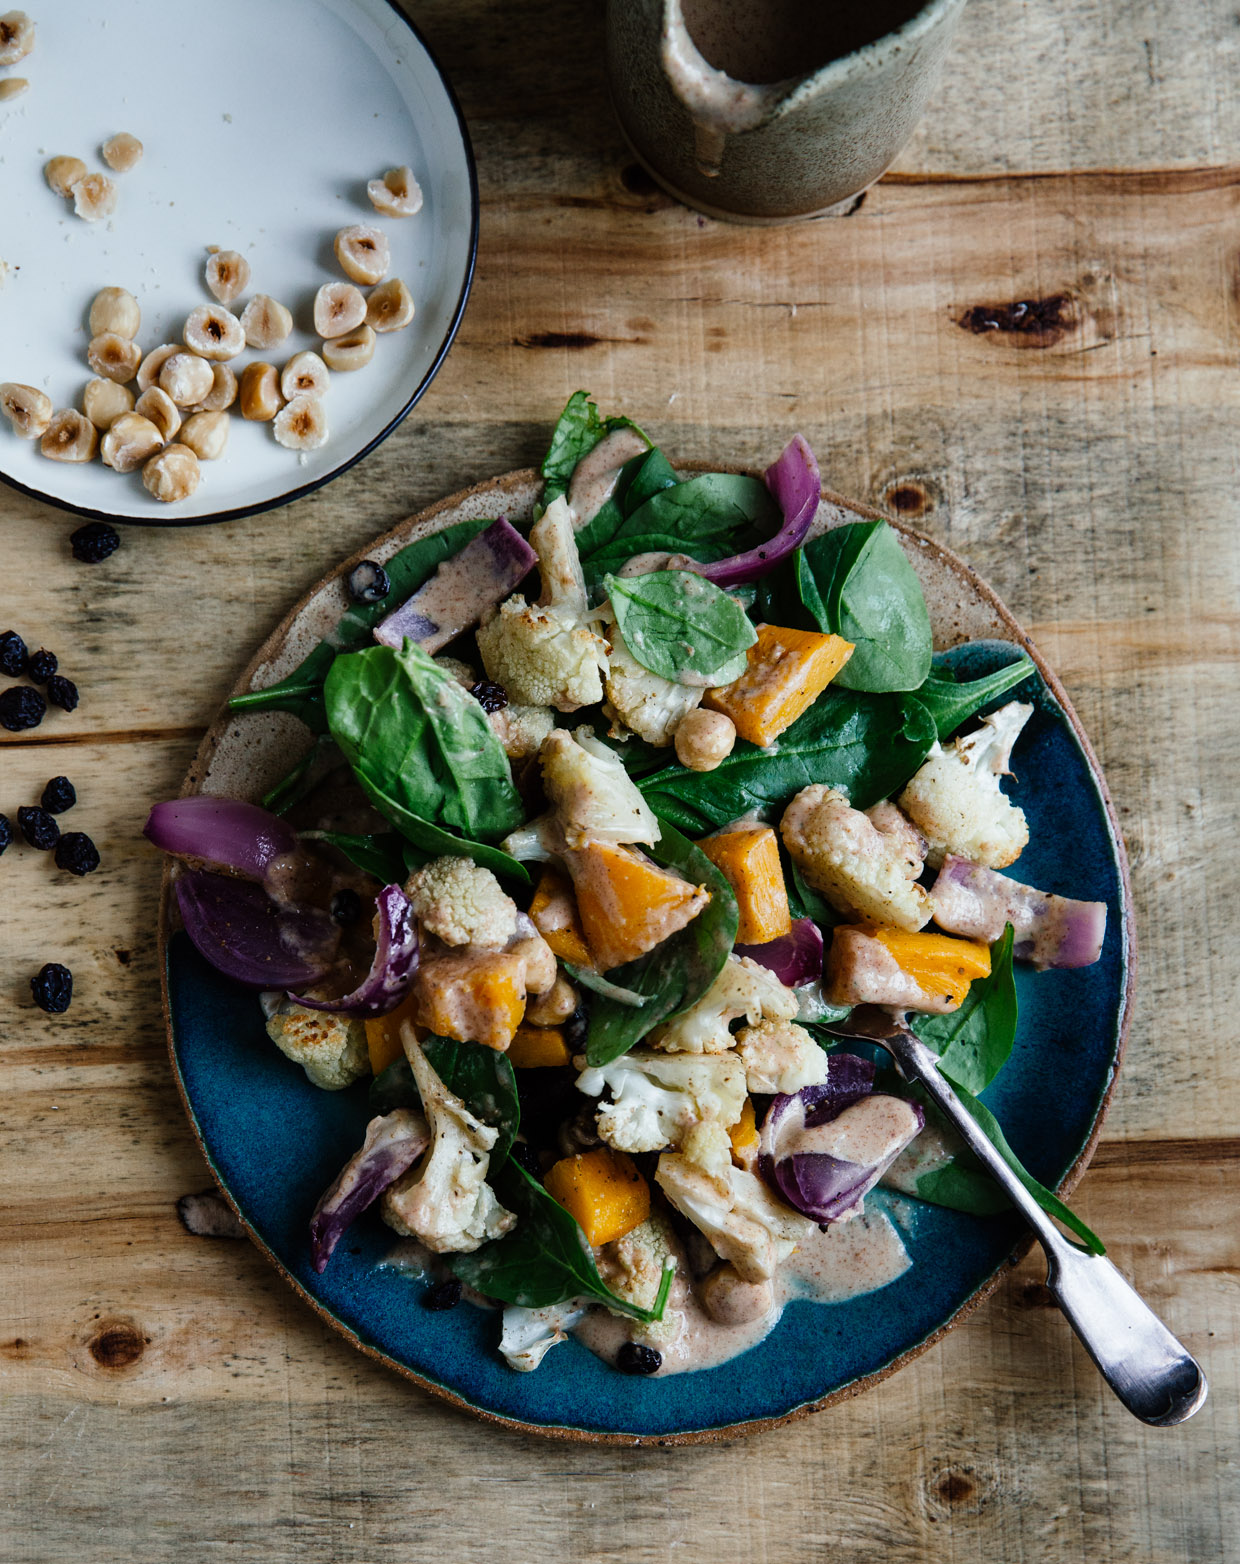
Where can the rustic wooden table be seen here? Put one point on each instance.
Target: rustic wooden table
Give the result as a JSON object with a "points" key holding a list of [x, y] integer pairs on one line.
{"points": [[165, 1395]]}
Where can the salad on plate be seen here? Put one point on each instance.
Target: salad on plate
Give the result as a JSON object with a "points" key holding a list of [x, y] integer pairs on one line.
{"points": [[601, 833]]}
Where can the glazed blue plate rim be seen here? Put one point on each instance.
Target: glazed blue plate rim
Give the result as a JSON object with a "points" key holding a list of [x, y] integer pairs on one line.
{"points": [[631, 1428]]}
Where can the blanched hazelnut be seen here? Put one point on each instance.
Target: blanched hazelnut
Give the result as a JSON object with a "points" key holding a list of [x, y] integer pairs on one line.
{"points": [[130, 441], [103, 402], [115, 309], [114, 357], [159, 407], [260, 397], [172, 475]]}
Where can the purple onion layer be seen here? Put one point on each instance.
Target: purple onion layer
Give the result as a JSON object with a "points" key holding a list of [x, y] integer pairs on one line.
{"points": [[794, 482], [223, 832], [1050, 931], [394, 966], [393, 1143], [244, 935], [794, 958]]}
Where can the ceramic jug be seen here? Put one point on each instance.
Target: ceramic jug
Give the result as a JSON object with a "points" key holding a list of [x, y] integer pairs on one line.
{"points": [[768, 110]]}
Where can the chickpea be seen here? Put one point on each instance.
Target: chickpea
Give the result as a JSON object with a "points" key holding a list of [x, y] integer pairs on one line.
{"points": [[732, 1301], [704, 740], [556, 1005]]}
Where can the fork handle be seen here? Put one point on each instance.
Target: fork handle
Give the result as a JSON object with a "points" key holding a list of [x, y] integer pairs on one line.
{"points": [[1155, 1376]]}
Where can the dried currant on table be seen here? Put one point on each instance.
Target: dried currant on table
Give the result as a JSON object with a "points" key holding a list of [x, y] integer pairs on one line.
{"points": [[6, 832], [58, 795], [62, 692], [13, 655], [52, 988], [94, 542], [41, 666], [76, 853], [38, 827], [21, 707]]}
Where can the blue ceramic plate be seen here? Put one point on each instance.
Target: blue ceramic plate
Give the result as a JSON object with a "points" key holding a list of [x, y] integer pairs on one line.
{"points": [[274, 1142]]}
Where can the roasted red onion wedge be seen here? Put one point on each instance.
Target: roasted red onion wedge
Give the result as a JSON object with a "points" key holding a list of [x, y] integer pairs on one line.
{"points": [[393, 1143], [1051, 931], [824, 1148], [793, 480], [794, 958], [485, 571], [394, 966], [246, 936], [222, 832]]}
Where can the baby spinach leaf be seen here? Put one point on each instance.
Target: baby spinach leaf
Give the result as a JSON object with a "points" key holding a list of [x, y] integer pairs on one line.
{"points": [[640, 477], [301, 692], [676, 973], [705, 517], [411, 729], [1047, 1199], [432, 841], [676, 622], [951, 703], [868, 745], [377, 853], [973, 1043], [860, 585], [319, 761], [393, 1087], [962, 1185], [544, 1260], [483, 1079], [578, 430]]}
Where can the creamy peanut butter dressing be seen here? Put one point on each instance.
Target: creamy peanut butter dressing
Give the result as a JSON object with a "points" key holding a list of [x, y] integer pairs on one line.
{"points": [[596, 475], [849, 1259]]}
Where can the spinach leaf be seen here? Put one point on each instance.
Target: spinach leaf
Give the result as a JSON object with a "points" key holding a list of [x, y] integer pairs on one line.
{"points": [[302, 691], [860, 585], [676, 622], [803, 900], [676, 973], [484, 1081], [1049, 1201], [962, 1185], [393, 1087], [869, 745], [973, 1043], [640, 477], [433, 841], [578, 430], [415, 733], [705, 517], [951, 703], [379, 853], [544, 1260], [319, 761]]}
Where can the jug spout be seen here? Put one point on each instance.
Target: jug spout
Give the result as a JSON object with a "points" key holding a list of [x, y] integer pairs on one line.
{"points": [[718, 105]]}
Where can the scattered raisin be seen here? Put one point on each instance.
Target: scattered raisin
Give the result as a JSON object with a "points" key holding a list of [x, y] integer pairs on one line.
{"points": [[12, 654], [576, 1027], [491, 697], [42, 665], [446, 1295], [95, 541], [6, 832], [525, 1156], [346, 907], [58, 795], [62, 692], [21, 707], [52, 987], [369, 582], [634, 1358], [38, 827], [76, 853]]}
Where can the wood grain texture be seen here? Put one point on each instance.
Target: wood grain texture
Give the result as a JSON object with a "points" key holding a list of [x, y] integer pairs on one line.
{"points": [[164, 1395]]}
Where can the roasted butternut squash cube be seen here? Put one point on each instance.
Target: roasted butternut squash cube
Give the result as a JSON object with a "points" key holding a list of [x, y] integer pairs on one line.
{"points": [[479, 995], [788, 670], [744, 1137], [538, 1048], [553, 913], [748, 858], [602, 1191], [938, 963], [627, 903], [383, 1035]]}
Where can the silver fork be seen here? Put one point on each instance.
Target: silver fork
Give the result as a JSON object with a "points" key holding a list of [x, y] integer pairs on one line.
{"points": [[1151, 1372]]}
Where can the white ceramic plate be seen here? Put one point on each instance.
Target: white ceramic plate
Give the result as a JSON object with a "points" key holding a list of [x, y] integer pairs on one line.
{"points": [[262, 123]]}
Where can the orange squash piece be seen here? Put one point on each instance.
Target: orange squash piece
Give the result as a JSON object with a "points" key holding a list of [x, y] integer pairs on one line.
{"points": [[748, 858], [553, 913], [472, 996], [788, 670], [538, 1048], [938, 963], [627, 903], [602, 1191], [744, 1136], [383, 1035]]}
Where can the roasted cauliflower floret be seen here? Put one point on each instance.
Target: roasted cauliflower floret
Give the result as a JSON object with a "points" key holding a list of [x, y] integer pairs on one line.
{"points": [[780, 1057], [657, 1099], [527, 1335], [592, 794], [331, 1049], [445, 1201], [740, 1218], [743, 988], [956, 799], [862, 869], [633, 1268], [543, 653], [462, 903], [521, 729], [642, 702]]}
